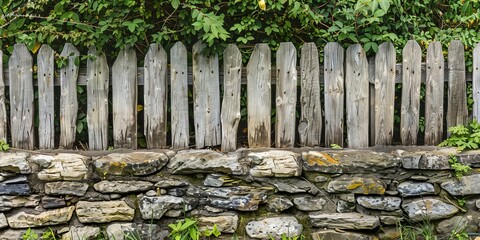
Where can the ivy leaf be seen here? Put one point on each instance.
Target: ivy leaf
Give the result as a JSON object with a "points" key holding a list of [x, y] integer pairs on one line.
{"points": [[175, 3]]}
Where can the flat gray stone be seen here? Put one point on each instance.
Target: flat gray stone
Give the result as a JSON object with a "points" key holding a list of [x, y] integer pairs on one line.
{"points": [[171, 183], [413, 188], [66, 188], [81, 233], [358, 185], [345, 206], [390, 220], [14, 163], [274, 227], [291, 185], [3, 221], [122, 186], [103, 212], [240, 198], [274, 163], [309, 204], [16, 189], [384, 203], [278, 204], [428, 209], [218, 180], [467, 185], [46, 218], [340, 235], [63, 166], [9, 202], [156, 207], [225, 222], [426, 162], [206, 161], [130, 231], [17, 234], [53, 202], [353, 221], [135, 163], [457, 224]]}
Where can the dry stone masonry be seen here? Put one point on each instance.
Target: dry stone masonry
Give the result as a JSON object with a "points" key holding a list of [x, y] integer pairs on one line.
{"points": [[250, 193]]}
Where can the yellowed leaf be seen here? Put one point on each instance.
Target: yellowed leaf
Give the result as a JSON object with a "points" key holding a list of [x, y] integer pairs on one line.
{"points": [[262, 5], [36, 47]]}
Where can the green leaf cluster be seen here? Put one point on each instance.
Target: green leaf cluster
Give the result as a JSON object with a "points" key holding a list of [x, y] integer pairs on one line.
{"points": [[459, 168], [463, 137], [4, 145]]}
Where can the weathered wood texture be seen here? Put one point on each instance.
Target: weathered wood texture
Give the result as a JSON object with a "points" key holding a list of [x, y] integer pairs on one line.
{"points": [[434, 94], [334, 93], [124, 99], [68, 96], [206, 98], [410, 109], [97, 100], [155, 97], [457, 112], [357, 88], [286, 95], [179, 96], [46, 111], [384, 93], [259, 97], [310, 125], [21, 98], [476, 82], [3, 109], [230, 116]]}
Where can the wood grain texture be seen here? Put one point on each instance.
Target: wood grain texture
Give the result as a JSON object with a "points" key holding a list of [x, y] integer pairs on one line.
{"points": [[124, 99], [476, 82], [155, 97], [371, 101], [179, 96], [206, 97], [357, 89], [230, 116], [97, 100], [3, 109], [46, 100], [286, 95], [68, 96], [410, 109], [259, 97], [434, 94], [384, 93], [457, 111], [21, 98], [310, 125], [334, 93]]}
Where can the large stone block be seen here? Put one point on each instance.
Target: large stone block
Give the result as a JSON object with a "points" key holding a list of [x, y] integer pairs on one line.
{"points": [[344, 220], [135, 163], [122, 186], [206, 161], [66, 188], [156, 207], [226, 222], [340, 235], [81, 233], [274, 227], [14, 163], [384, 203], [9, 202], [428, 209], [412, 188], [103, 212], [240, 198], [63, 166], [467, 185], [274, 163], [357, 185], [46, 218]]}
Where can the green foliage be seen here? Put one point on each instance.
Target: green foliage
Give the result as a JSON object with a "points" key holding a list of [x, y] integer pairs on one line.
{"points": [[186, 229], [424, 230], [335, 146], [214, 231], [4, 145], [285, 237], [31, 235], [463, 137], [459, 168]]}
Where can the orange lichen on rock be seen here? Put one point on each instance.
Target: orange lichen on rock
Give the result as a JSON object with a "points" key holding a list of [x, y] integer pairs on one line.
{"points": [[321, 159]]}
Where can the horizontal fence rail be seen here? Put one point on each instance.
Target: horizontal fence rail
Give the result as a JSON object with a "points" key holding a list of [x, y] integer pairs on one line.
{"points": [[358, 96]]}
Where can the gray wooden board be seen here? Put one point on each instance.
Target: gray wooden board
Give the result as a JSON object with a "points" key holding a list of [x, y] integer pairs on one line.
{"points": [[21, 98], [46, 111], [286, 95], [3, 109], [259, 97], [457, 112], [357, 99], [179, 96], [230, 116], [68, 96], [434, 94], [97, 100], [410, 109], [476, 82], [124, 99], [384, 93], [155, 97], [371, 101], [334, 93], [310, 125]]}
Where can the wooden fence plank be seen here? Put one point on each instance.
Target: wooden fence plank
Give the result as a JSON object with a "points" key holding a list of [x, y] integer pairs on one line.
{"points": [[286, 95], [310, 125], [410, 110], [3, 109], [384, 93], [476, 82], [68, 96], [97, 97], [434, 94], [357, 88], [179, 95], [334, 93], [232, 65], [155, 97], [259, 91], [206, 98], [457, 112], [46, 100], [21, 98], [371, 101], [124, 99]]}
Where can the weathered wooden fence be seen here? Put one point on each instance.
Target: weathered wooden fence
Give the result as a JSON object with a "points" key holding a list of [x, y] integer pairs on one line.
{"points": [[358, 96]]}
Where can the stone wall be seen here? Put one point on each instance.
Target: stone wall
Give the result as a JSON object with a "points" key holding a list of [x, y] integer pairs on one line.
{"points": [[251, 194]]}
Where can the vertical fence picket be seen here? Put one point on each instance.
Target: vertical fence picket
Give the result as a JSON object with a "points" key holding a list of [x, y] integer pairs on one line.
{"points": [[434, 94], [179, 96], [457, 111], [68, 95], [476, 82], [384, 93], [357, 87], [334, 93], [286, 95], [411, 79], [97, 100], [155, 97], [21, 98], [3, 109], [259, 97], [232, 73], [310, 125], [124, 99], [206, 97], [46, 129]]}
